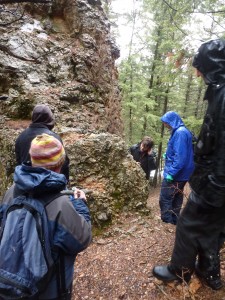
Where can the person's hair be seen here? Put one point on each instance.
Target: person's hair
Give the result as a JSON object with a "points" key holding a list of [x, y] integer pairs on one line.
{"points": [[47, 152], [147, 143]]}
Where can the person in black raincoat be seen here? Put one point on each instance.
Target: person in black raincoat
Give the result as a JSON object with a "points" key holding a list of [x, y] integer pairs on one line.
{"points": [[199, 230], [42, 122], [143, 153]]}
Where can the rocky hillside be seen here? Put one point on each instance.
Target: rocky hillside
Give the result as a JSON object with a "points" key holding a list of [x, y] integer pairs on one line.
{"points": [[62, 54]]}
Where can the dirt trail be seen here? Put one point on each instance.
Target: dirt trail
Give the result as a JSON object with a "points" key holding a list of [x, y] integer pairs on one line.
{"points": [[118, 264]]}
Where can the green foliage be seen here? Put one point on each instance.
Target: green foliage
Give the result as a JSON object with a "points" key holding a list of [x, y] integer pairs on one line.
{"points": [[157, 75], [193, 124]]}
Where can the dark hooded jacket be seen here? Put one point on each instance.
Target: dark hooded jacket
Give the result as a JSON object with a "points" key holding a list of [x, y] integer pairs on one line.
{"points": [[147, 161], [42, 122], [179, 161], [208, 180]]}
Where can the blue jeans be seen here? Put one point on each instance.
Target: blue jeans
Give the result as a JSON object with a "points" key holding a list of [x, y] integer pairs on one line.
{"points": [[171, 200]]}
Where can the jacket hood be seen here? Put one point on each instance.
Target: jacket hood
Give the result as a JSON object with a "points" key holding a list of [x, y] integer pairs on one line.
{"points": [[210, 61], [42, 114], [38, 180], [172, 119]]}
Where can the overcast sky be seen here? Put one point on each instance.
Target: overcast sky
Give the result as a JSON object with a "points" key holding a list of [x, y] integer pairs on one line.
{"points": [[126, 6], [121, 7]]}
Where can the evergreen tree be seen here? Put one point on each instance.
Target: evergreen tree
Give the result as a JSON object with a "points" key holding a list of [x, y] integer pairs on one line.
{"points": [[157, 75]]}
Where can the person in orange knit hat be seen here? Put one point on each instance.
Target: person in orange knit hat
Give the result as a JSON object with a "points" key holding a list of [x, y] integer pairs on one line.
{"points": [[47, 152], [69, 219]]}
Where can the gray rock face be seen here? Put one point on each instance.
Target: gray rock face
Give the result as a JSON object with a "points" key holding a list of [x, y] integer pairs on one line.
{"points": [[101, 164], [62, 54]]}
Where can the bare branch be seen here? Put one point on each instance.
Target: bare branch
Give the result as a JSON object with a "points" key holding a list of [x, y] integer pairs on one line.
{"points": [[169, 5], [175, 23], [192, 12], [217, 23], [211, 12], [23, 1]]}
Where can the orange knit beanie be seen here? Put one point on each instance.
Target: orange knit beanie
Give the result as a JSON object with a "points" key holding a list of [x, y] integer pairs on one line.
{"points": [[47, 152]]}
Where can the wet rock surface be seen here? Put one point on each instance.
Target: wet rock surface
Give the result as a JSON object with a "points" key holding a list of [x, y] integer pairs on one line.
{"points": [[62, 54]]}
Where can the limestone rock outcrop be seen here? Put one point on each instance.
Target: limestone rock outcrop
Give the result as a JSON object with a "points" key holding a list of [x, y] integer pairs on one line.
{"points": [[62, 54]]}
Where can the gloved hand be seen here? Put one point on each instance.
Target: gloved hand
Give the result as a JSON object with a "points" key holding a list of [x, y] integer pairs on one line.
{"points": [[169, 178], [164, 155]]}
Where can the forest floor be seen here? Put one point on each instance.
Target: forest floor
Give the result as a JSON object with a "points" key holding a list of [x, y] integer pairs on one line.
{"points": [[118, 264]]}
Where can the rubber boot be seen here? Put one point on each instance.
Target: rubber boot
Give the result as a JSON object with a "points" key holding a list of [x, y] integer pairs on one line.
{"points": [[169, 273], [208, 269]]}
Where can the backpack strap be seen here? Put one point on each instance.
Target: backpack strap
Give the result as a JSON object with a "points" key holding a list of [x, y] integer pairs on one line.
{"points": [[63, 292]]}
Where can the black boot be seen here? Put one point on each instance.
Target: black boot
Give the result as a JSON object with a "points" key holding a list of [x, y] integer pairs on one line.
{"points": [[208, 269], [168, 273], [163, 273]]}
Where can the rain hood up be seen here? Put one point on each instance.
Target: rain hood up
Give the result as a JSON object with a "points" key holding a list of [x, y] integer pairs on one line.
{"points": [[208, 179], [42, 114], [210, 61], [179, 160], [173, 119]]}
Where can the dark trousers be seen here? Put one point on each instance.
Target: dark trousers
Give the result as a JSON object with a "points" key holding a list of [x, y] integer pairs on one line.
{"points": [[171, 200], [199, 233], [66, 296]]}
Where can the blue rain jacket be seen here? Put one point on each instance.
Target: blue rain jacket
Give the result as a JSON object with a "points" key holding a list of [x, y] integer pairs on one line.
{"points": [[69, 221], [179, 160]]}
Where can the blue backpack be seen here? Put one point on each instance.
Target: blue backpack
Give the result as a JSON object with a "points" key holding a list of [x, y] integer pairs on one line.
{"points": [[26, 263]]}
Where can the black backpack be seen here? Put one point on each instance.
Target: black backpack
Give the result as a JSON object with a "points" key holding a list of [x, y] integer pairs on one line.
{"points": [[26, 262], [194, 139]]}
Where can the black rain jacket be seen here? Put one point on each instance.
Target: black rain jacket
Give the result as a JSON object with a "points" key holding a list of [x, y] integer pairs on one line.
{"points": [[42, 122], [146, 161], [208, 179]]}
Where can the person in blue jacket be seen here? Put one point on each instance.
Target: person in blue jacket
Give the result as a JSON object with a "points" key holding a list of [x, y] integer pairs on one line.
{"points": [[69, 219], [179, 165]]}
